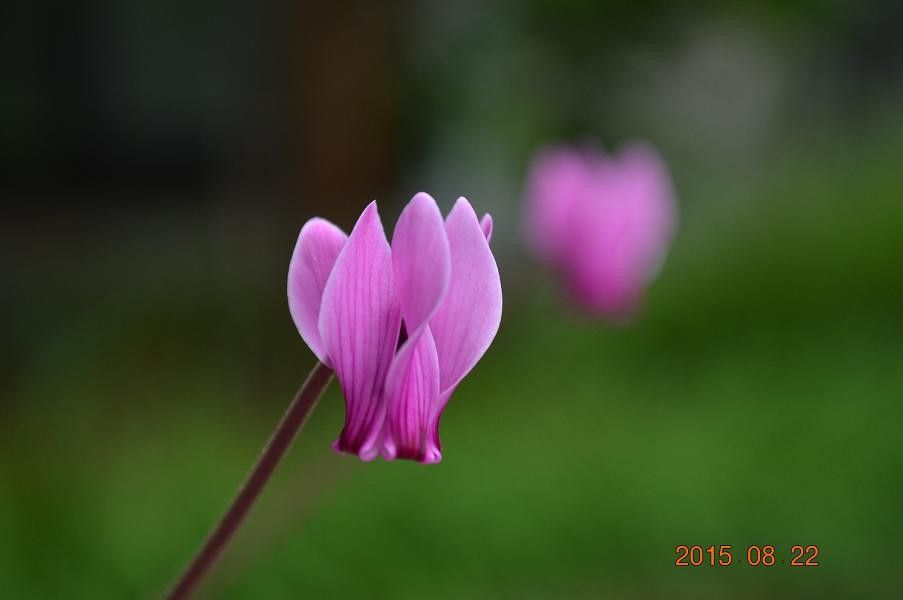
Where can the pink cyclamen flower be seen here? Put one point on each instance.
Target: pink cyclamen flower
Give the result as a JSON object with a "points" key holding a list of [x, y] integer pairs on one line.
{"points": [[604, 223], [349, 296]]}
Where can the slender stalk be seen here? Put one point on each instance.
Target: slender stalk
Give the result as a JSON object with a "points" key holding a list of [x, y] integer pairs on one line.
{"points": [[272, 454]]}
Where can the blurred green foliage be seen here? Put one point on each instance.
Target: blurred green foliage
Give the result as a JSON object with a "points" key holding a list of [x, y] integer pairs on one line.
{"points": [[757, 402]]}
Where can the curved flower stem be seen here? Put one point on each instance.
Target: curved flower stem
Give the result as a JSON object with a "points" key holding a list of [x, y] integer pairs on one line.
{"points": [[273, 452]]}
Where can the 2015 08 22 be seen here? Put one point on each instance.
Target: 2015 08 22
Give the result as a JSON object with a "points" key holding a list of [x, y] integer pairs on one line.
{"points": [[754, 556]]}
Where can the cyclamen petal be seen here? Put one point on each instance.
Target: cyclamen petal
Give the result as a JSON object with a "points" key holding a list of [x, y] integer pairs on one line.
{"points": [[612, 235], [319, 244], [469, 318], [412, 396], [359, 324], [420, 260]]}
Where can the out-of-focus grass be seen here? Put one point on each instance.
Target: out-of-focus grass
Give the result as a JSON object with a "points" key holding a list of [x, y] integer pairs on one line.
{"points": [[758, 402]]}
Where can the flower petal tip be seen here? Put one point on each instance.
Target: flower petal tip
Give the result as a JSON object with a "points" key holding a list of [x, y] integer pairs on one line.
{"points": [[431, 457], [464, 201], [486, 226], [422, 197], [368, 454]]}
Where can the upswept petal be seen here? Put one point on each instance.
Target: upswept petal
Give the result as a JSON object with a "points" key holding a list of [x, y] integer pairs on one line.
{"points": [[359, 325], [469, 318], [486, 226], [318, 246], [421, 261], [412, 395]]}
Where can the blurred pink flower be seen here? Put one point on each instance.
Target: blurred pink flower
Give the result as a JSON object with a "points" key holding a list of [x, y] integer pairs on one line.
{"points": [[349, 295], [603, 223]]}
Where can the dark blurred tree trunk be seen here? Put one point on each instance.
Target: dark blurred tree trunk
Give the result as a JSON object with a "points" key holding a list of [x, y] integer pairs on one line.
{"points": [[343, 90]]}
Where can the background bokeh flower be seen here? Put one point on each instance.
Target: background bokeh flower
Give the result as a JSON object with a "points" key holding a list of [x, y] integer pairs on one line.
{"points": [[603, 223]]}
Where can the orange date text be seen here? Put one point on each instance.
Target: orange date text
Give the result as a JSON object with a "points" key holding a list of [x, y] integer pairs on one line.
{"points": [[754, 556]]}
